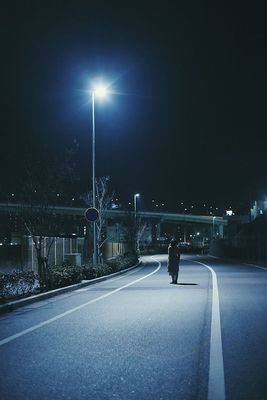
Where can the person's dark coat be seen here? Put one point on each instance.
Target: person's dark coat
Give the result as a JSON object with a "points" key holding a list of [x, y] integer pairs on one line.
{"points": [[173, 259]]}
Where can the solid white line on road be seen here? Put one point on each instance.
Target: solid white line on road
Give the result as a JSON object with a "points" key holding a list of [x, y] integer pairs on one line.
{"points": [[49, 321], [216, 389], [99, 284], [242, 263], [256, 266]]}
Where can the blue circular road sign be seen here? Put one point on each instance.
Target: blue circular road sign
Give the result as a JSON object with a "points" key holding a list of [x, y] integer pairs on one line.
{"points": [[91, 214]]}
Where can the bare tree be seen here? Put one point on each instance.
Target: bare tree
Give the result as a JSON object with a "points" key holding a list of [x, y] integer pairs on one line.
{"points": [[39, 222], [134, 229], [43, 181], [103, 202], [140, 230]]}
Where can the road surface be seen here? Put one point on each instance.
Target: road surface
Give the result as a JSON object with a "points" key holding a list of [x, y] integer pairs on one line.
{"points": [[138, 337]]}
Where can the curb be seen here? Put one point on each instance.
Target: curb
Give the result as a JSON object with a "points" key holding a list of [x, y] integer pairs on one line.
{"points": [[12, 305]]}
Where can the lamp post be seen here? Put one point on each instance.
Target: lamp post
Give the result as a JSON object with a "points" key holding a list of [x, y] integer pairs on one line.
{"points": [[135, 203], [135, 227], [213, 226], [98, 91]]}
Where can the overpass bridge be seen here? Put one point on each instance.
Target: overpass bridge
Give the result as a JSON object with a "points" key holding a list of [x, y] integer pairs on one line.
{"points": [[150, 216], [70, 239], [163, 217], [166, 217]]}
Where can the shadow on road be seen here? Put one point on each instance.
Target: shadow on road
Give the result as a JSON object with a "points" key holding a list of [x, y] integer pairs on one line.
{"points": [[188, 284]]}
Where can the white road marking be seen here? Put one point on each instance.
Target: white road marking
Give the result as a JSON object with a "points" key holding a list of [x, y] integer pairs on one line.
{"points": [[90, 287], [216, 389], [49, 321], [242, 263], [256, 266]]}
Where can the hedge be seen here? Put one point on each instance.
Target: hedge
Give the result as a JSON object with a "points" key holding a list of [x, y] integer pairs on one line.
{"points": [[18, 284], [64, 275], [112, 265]]}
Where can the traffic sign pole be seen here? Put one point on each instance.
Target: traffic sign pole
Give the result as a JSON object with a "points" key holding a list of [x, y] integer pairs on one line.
{"points": [[92, 215]]}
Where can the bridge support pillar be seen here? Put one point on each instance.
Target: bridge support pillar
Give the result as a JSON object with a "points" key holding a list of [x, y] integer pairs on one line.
{"points": [[220, 231], [155, 233]]}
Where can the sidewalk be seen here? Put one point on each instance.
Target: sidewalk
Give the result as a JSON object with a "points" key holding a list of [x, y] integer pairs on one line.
{"points": [[12, 305]]}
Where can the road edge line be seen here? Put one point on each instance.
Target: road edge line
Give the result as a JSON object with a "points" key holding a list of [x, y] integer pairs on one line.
{"points": [[241, 262], [216, 386], [72, 310], [13, 305]]}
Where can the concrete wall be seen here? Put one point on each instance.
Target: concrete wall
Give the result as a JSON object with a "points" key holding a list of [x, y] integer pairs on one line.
{"points": [[255, 250]]}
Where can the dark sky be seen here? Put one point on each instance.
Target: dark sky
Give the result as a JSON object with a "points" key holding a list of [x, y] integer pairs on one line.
{"points": [[187, 118]]}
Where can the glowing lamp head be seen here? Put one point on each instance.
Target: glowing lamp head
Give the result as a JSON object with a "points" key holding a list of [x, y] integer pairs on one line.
{"points": [[100, 91]]}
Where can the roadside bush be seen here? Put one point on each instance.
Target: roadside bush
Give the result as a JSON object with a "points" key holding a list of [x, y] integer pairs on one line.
{"points": [[18, 283], [90, 271], [121, 262], [21, 284], [103, 269], [64, 275], [3, 285]]}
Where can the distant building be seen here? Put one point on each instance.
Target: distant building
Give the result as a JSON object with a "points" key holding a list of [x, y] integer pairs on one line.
{"points": [[259, 207]]}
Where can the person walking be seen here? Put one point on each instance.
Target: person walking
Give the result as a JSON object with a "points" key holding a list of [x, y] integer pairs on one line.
{"points": [[173, 260]]}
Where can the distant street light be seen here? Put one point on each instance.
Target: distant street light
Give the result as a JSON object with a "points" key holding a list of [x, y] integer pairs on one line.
{"points": [[135, 203], [97, 91], [213, 226], [135, 209]]}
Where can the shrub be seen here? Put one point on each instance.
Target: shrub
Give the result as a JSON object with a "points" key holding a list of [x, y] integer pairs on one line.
{"points": [[90, 271], [64, 275], [23, 282], [103, 269], [18, 283], [121, 262], [3, 285]]}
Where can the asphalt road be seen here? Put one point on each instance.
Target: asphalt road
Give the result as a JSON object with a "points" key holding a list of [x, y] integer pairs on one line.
{"points": [[138, 337]]}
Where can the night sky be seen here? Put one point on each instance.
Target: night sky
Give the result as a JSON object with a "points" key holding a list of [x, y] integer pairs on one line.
{"points": [[186, 120]]}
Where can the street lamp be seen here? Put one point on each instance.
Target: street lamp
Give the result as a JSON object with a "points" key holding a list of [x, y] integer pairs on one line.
{"points": [[135, 226], [97, 91], [213, 226], [135, 203]]}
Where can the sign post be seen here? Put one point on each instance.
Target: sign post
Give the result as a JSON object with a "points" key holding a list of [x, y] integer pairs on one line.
{"points": [[92, 215]]}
